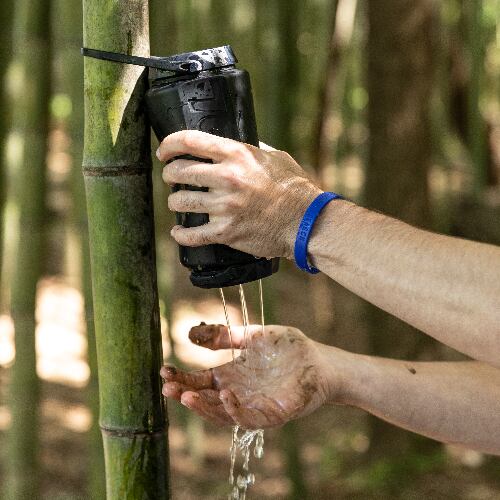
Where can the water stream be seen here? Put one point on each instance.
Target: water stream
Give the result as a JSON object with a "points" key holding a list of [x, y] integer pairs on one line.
{"points": [[241, 443]]}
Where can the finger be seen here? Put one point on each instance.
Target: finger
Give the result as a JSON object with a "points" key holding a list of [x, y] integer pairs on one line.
{"points": [[199, 144], [219, 337], [210, 396], [198, 202], [168, 371], [193, 173], [202, 379], [212, 413], [197, 236], [266, 147], [174, 390]]}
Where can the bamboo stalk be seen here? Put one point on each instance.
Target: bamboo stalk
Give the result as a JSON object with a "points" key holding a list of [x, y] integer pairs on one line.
{"points": [[26, 223], [476, 126], [5, 56], [117, 169]]}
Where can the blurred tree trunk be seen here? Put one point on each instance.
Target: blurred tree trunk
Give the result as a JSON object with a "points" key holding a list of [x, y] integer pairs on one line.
{"points": [[476, 137], [117, 170], [287, 77], [400, 75], [27, 168], [71, 62], [5, 58], [287, 80], [466, 58], [320, 150]]}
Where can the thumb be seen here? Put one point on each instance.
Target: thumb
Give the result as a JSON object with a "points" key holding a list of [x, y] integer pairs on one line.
{"points": [[219, 337]]}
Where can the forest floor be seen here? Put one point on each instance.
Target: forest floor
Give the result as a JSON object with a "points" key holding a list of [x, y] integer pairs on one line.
{"points": [[333, 440]]}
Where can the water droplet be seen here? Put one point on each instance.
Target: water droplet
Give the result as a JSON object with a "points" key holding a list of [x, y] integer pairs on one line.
{"points": [[258, 452]]}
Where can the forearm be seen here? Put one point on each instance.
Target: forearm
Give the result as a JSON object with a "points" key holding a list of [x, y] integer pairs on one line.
{"points": [[446, 287], [453, 402]]}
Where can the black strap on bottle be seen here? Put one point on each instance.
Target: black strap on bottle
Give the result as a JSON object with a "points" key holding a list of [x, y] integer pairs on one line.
{"points": [[180, 64]]}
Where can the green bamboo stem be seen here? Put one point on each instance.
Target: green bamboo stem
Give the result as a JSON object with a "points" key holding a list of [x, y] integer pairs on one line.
{"points": [[26, 223], [117, 169], [476, 127], [5, 56]]}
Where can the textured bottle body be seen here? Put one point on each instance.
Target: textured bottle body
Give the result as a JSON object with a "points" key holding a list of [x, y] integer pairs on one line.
{"points": [[218, 102]]}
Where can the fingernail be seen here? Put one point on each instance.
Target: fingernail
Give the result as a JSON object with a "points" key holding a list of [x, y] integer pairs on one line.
{"points": [[171, 370], [158, 153]]}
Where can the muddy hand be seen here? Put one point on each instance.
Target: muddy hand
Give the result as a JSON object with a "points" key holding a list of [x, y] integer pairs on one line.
{"points": [[280, 378]]}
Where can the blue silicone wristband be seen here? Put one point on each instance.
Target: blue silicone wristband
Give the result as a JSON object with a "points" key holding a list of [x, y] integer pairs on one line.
{"points": [[305, 229]]}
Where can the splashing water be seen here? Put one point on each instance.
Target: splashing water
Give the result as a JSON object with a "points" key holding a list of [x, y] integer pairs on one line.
{"points": [[244, 442]]}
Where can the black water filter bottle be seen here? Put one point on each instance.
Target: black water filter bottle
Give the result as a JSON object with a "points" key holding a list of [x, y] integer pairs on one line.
{"points": [[203, 91]]}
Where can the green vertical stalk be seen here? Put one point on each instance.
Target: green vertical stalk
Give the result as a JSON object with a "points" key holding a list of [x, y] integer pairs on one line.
{"points": [[5, 56], [31, 83], [71, 84], [476, 128], [117, 169]]}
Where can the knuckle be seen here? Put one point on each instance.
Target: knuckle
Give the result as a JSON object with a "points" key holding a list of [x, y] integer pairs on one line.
{"points": [[233, 203], [188, 138], [230, 177], [237, 151]]}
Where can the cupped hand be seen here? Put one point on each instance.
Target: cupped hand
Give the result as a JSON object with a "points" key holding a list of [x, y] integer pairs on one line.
{"points": [[256, 198], [282, 375]]}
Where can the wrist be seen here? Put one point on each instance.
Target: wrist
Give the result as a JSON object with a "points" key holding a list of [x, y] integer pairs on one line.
{"points": [[341, 372], [295, 210], [329, 222]]}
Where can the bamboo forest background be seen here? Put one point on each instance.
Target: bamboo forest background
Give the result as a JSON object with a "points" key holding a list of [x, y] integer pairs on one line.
{"points": [[394, 103]]}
